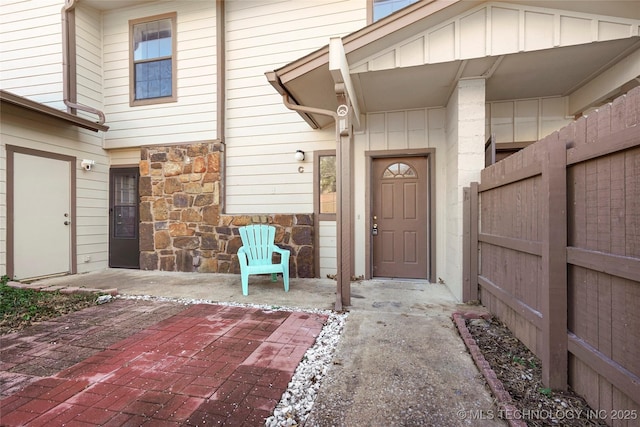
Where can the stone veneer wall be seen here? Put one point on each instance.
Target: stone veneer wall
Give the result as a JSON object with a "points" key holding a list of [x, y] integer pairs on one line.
{"points": [[181, 227]]}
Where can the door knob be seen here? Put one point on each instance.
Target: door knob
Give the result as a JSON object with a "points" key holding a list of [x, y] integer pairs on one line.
{"points": [[67, 222]]}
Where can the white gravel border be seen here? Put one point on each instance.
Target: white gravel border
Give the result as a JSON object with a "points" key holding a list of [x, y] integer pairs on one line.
{"points": [[297, 400]]}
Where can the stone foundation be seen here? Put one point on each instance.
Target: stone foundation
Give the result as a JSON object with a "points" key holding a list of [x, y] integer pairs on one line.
{"points": [[181, 228]]}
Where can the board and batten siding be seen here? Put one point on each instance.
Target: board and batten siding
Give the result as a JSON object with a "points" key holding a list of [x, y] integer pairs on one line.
{"points": [[193, 117], [499, 28], [262, 135], [92, 207], [399, 130], [526, 120], [31, 50]]}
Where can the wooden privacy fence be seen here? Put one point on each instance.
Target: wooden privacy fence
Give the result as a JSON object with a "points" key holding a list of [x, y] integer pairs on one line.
{"points": [[552, 248]]}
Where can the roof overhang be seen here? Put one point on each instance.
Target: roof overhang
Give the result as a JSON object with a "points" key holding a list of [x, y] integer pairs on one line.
{"points": [[19, 101], [383, 81]]}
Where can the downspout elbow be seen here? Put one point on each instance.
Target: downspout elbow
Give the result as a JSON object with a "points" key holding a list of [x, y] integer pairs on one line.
{"points": [[310, 110], [66, 66]]}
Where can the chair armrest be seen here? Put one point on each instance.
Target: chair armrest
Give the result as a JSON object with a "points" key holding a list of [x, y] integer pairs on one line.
{"points": [[242, 256], [276, 248], [284, 253]]}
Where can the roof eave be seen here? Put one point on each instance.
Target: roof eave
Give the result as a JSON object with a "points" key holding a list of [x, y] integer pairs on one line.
{"points": [[274, 80], [357, 39], [28, 104]]}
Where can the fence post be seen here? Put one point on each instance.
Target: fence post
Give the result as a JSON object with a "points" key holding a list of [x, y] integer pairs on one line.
{"points": [[474, 271], [470, 243], [554, 265], [466, 244]]}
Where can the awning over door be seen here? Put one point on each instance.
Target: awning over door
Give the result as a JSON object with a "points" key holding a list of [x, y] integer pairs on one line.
{"points": [[587, 51]]}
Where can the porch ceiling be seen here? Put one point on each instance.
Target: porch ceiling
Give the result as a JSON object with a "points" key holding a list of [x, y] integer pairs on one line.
{"points": [[550, 72]]}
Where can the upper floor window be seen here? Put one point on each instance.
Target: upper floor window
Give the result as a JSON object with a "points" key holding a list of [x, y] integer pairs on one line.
{"points": [[152, 60], [382, 8]]}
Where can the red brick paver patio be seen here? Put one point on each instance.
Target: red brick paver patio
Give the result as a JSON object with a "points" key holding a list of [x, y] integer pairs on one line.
{"points": [[206, 365]]}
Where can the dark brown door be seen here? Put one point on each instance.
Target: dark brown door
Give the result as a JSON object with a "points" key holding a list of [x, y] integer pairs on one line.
{"points": [[124, 249], [399, 217]]}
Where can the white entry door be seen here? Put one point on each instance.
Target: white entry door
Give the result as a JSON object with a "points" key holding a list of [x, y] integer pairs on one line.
{"points": [[42, 216]]}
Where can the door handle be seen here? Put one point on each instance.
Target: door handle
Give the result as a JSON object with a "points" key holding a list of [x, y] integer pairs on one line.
{"points": [[67, 222], [374, 229]]}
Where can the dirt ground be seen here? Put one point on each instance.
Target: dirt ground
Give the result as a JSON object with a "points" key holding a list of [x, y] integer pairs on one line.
{"points": [[521, 374], [54, 305]]}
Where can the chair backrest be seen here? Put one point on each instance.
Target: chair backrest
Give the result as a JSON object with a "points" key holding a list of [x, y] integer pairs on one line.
{"points": [[258, 241]]}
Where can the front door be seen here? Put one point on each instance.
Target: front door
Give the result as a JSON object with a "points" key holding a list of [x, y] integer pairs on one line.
{"points": [[41, 212], [124, 249], [399, 217]]}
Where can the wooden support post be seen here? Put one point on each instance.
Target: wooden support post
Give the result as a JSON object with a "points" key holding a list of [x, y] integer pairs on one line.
{"points": [[554, 265], [344, 210]]}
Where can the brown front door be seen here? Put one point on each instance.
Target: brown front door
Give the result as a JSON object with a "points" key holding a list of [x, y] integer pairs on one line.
{"points": [[124, 249], [399, 217]]}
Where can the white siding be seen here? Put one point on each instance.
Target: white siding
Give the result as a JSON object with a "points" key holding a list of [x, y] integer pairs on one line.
{"points": [[193, 117], [31, 50], [124, 157], [92, 188], [89, 59], [261, 134], [525, 120], [327, 248]]}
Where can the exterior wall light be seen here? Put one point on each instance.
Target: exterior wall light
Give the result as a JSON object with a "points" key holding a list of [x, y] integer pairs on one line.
{"points": [[299, 156], [87, 164]]}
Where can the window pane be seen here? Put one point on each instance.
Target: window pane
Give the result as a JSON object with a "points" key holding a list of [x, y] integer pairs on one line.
{"points": [[153, 79], [152, 40], [125, 190], [399, 170], [328, 194], [124, 221], [382, 8]]}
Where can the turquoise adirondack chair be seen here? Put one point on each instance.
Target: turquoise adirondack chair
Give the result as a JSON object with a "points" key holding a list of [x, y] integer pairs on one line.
{"points": [[255, 255]]}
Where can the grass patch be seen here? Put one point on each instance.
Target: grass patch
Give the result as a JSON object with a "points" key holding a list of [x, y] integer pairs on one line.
{"points": [[20, 308]]}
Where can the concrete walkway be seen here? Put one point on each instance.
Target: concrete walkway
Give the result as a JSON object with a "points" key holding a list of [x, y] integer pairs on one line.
{"points": [[400, 361]]}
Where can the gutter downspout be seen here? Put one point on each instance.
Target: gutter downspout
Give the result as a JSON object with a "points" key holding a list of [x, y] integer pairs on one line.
{"points": [[301, 108], [221, 90], [66, 66], [275, 81], [312, 110]]}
